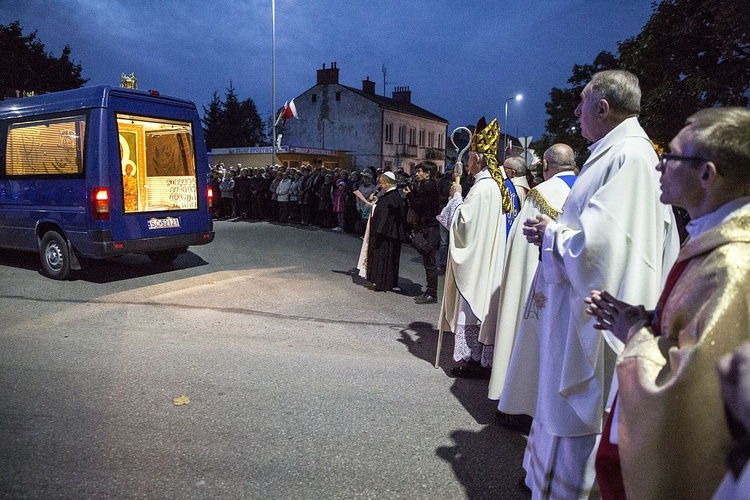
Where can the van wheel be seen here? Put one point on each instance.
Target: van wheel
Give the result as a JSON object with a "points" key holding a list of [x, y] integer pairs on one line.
{"points": [[55, 256], [166, 256]]}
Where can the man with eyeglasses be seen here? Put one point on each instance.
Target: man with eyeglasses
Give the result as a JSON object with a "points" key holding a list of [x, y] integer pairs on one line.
{"points": [[613, 234], [668, 425]]}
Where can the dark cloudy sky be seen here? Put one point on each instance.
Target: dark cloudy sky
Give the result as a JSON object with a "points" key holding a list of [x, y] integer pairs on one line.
{"points": [[461, 59]]}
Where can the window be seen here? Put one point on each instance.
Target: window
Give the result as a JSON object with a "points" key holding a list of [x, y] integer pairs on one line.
{"points": [[412, 136], [421, 138], [402, 134], [388, 132], [338, 96], [158, 164], [430, 139], [53, 146], [440, 141], [315, 98]]}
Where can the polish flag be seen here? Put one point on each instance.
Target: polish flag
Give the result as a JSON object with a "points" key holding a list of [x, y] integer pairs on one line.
{"points": [[288, 111]]}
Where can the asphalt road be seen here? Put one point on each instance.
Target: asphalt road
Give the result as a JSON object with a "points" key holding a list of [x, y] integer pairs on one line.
{"points": [[302, 382]]}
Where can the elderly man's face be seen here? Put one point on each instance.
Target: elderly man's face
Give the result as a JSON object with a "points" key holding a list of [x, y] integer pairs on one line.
{"points": [[680, 178], [475, 165], [509, 170], [588, 112]]}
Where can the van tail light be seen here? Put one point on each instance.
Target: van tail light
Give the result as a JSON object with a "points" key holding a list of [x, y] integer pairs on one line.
{"points": [[100, 203], [210, 199]]}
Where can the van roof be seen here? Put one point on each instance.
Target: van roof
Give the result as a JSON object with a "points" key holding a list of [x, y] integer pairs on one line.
{"points": [[82, 98]]}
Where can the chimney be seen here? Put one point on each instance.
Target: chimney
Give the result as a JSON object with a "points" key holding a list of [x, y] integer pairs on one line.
{"points": [[328, 76], [368, 86], [402, 94]]}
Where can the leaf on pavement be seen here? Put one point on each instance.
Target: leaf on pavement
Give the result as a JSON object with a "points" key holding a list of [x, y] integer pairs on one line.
{"points": [[182, 400]]}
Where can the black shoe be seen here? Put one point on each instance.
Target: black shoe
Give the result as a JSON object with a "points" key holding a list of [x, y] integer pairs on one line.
{"points": [[522, 485], [518, 423], [426, 299], [471, 371]]}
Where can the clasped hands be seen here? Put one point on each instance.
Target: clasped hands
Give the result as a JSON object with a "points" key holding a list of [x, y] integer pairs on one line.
{"points": [[615, 315], [533, 229]]}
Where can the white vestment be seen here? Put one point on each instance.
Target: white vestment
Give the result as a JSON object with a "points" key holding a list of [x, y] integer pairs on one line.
{"points": [[362, 261], [521, 261], [614, 234], [475, 257], [734, 489], [522, 187]]}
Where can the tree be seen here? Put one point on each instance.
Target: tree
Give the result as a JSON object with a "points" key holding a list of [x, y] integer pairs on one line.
{"points": [[212, 119], [26, 66], [691, 54], [232, 123], [562, 124]]}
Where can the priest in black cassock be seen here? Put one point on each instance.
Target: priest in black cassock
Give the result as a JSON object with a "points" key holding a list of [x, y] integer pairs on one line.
{"points": [[386, 233]]}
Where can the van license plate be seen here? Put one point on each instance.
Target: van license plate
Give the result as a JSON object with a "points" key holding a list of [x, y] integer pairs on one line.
{"points": [[165, 223]]}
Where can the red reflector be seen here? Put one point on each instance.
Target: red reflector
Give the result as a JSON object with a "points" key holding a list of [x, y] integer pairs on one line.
{"points": [[206, 236], [119, 246], [154, 92], [100, 203]]}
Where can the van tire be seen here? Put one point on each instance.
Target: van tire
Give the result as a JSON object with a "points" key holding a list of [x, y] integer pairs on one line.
{"points": [[55, 256], [166, 256]]}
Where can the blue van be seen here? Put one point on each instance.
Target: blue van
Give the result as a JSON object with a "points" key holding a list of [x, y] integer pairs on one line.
{"points": [[102, 171]]}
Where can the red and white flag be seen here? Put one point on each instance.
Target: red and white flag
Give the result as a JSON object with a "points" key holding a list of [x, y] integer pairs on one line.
{"points": [[288, 111]]}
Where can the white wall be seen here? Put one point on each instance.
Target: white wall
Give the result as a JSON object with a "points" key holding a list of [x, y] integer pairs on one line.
{"points": [[350, 124]]}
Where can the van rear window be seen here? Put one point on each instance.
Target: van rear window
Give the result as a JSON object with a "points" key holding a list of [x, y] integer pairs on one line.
{"points": [[158, 164], [46, 147]]}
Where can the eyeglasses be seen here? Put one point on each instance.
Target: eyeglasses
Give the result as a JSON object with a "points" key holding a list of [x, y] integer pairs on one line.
{"points": [[665, 157]]}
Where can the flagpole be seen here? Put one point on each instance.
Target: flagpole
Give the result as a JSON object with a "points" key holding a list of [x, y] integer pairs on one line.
{"points": [[273, 78]]}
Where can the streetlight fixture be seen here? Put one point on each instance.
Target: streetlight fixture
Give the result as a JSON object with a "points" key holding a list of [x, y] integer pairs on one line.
{"points": [[517, 97]]}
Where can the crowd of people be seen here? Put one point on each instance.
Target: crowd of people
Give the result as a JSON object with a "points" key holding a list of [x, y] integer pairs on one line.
{"points": [[308, 195]]}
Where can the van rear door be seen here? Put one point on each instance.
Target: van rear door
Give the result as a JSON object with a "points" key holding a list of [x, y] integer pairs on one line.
{"points": [[158, 185]]}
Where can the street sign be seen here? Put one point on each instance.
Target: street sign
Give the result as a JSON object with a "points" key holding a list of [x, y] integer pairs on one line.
{"points": [[528, 155], [525, 141]]}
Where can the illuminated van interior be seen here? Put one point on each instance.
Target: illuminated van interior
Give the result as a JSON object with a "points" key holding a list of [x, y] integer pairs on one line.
{"points": [[46, 147], [158, 164]]}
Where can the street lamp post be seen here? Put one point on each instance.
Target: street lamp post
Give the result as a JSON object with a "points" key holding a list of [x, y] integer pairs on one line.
{"points": [[273, 81], [517, 97]]}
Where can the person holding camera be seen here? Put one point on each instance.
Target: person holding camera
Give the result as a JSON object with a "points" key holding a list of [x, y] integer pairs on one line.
{"points": [[425, 202]]}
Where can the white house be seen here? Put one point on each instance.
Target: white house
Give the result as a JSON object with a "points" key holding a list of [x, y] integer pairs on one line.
{"points": [[386, 132]]}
